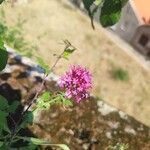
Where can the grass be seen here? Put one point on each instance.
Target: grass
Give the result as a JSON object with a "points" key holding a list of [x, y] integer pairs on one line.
{"points": [[120, 74], [119, 146], [14, 37]]}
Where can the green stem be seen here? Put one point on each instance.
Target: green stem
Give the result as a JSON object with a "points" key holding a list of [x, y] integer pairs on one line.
{"points": [[15, 131]]}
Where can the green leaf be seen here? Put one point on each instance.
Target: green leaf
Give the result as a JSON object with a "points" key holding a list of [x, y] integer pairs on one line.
{"points": [[3, 59], [43, 101], [3, 121], [3, 29], [67, 53], [41, 62], [68, 50], [12, 108], [111, 12], [3, 147], [27, 119], [88, 4], [1, 143], [61, 99], [67, 102], [3, 103], [3, 55], [97, 2], [109, 20], [29, 147], [1, 1], [37, 141]]}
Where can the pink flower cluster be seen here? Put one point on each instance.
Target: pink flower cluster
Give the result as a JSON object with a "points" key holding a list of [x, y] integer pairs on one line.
{"points": [[76, 83]]}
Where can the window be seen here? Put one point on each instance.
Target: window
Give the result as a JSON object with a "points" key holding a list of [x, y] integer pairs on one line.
{"points": [[143, 40]]}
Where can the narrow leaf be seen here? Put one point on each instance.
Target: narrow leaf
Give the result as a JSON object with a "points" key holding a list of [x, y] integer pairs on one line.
{"points": [[1, 143], [37, 141], [3, 121], [28, 119], [3, 103], [88, 4]]}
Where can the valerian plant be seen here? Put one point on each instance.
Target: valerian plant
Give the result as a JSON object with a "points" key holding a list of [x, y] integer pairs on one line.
{"points": [[75, 84], [10, 135]]}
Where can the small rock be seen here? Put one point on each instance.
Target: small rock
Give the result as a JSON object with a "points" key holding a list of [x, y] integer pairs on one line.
{"points": [[86, 146], [123, 115], [105, 109], [113, 125], [130, 130], [108, 135]]}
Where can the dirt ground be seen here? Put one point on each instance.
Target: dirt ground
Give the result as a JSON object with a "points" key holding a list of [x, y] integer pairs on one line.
{"points": [[48, 22]]}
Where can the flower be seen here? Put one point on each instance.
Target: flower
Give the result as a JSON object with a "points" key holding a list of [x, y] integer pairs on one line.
{"points": [[76, 83]]}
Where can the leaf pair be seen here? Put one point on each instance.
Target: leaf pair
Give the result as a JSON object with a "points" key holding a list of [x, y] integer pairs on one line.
{"points": [[110, 10], [5, 109]]}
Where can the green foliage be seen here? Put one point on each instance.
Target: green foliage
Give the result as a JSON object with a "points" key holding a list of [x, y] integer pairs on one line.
{"points": [[97, 2], [43, 102], [1, 143], [42, 64], [3, 103], [3, 29], [3, 55], [13, 36], [30, 146], [67, 53], [1, 1], [88, 4], [3, 121], [37, 141], [61, 99], [47, 99], [3, 115], [27, 120], [110, 10], [5, 110], [120, 74], [12, 108], [119, 146], [69, 49]]}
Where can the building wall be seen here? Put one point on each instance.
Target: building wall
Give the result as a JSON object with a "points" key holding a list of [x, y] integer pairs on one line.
{"points": [[127, 25]]}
